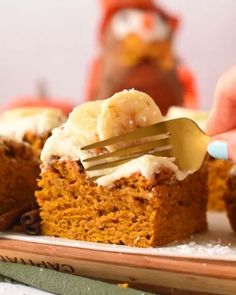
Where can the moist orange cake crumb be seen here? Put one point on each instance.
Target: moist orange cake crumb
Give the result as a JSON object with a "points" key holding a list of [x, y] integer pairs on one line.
{"points": [[230, 198], [218, 172], [134, 212], [36, 141]]}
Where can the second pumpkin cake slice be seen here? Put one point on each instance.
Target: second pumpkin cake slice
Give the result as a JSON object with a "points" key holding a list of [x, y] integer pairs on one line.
{"points": [[23, 132]]}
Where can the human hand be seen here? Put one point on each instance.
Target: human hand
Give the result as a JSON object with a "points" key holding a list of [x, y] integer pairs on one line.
{"points": [[221, 124]]}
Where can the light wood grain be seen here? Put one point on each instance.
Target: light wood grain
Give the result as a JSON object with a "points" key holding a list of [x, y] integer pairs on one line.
{"points": [[195, 275]]}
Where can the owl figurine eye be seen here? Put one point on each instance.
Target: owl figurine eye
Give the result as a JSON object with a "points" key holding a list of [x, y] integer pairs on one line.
{"points": [[124, 15], [125, 22], [162, 29], [149, 26]]}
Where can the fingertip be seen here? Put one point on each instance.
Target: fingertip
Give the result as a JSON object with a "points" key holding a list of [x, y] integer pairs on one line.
{"points": [[214, 124], [222, 116], [218, 149], [226, 86], [223, 146]]}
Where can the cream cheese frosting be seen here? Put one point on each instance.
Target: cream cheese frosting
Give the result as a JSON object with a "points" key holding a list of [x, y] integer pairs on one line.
{"points": [[199, 116], [146, 165], [16, 122], [110, 115]]}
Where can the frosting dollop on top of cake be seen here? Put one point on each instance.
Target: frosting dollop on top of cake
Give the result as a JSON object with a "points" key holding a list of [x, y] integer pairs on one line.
{"points": [[17, 122], [102, 119], [199, 116]]}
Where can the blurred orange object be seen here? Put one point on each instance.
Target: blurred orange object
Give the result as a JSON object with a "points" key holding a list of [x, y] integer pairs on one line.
{"points": [[110, 7], [109, 4], [136, 51], [188, 81], [42, 99], [30, 101]]}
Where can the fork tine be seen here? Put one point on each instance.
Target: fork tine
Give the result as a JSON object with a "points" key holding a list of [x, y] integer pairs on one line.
{"points": [[111, 164], [95, 177], [143, 132], [135, 149]]}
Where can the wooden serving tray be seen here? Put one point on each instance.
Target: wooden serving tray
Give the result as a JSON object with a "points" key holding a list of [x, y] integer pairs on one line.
{"points": [[204, 264]]}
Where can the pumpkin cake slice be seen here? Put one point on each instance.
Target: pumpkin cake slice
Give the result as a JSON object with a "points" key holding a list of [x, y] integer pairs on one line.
{"points": [[30, 124], [19, 169], [230, 198], [22, 136], [218, 170], [145, 202]]}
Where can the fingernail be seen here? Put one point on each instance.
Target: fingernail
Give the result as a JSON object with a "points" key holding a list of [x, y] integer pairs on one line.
{"points": [[218, 149]]}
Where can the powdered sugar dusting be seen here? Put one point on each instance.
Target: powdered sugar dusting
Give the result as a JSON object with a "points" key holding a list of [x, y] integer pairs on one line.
{"points": [[219, 243], [212, 248]]}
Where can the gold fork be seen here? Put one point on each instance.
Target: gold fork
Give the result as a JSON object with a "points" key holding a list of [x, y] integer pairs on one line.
{"points": [[180, 139]]}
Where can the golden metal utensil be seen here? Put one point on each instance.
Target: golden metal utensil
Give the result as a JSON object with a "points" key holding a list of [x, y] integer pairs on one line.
{"points": [[181, 139]]}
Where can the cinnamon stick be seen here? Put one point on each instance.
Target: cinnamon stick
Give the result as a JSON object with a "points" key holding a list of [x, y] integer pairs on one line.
{"points": [[7, 219], [30, 222]]}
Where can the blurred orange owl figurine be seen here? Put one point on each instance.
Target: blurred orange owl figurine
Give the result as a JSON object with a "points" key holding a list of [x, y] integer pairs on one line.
{"points": [[136, 51]]}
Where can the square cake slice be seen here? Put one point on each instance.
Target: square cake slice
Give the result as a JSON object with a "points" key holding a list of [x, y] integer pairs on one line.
{"points": [[218, 170], [144, 202], [30, 124], [19, 169], [230, 198], [22, 135]]}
